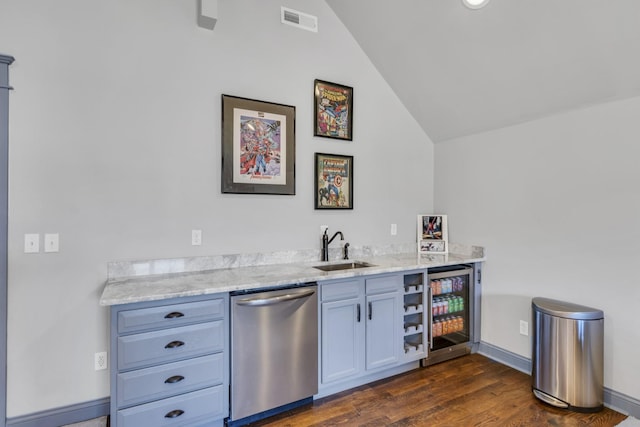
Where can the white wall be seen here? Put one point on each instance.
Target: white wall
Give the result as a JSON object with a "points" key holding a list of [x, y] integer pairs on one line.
{"points": [[115, 144], [556, 203]]}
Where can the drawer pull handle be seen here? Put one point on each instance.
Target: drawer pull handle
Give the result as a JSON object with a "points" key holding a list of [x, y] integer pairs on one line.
{"points": [[174, 379], [174, 315], [175, 413], [174, 344]]}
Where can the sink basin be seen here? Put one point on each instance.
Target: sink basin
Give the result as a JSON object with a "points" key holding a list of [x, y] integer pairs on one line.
{"points": [[343, 266]]}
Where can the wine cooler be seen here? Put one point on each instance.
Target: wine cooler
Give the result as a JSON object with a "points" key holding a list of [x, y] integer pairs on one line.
{"points": [[454, 312]]}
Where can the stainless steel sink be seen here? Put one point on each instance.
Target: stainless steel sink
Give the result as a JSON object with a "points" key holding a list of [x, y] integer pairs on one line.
{"points": [[343, 266]]}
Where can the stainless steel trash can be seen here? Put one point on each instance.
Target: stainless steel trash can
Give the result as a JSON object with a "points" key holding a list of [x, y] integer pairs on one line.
{"points": [[567, 355]]}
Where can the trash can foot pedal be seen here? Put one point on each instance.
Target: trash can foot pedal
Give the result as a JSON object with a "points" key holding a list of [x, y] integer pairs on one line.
{"points": [[550, 399]]}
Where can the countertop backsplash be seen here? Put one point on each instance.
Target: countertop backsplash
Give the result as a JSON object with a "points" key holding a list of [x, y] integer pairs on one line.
{"points": [[122, 269]]}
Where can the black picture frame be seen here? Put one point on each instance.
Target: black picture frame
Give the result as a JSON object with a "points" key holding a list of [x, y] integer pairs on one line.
{"points": [[332, 110], [333, 175], [258, 146]]}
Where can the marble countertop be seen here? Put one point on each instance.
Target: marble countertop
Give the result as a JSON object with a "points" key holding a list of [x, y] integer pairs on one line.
{"points": [[175, 281]]}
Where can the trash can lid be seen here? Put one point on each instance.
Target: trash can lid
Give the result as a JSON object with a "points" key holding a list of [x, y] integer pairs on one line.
{"points": [[566, 309]]}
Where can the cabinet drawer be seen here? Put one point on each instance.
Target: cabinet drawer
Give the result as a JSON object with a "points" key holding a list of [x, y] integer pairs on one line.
{"points": [[169, 316], [158, 382], [168, 345], [340, 290], [383, 284], [191, 409]]}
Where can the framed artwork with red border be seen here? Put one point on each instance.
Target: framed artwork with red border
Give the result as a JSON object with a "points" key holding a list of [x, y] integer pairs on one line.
{"points": [[333, 110]]}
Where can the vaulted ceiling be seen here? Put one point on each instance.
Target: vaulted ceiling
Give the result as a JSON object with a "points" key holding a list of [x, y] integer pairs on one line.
{"points": [[461, 71]]}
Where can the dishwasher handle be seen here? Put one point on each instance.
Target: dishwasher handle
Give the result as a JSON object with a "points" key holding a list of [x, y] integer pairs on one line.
{"points": [[261, 302]]}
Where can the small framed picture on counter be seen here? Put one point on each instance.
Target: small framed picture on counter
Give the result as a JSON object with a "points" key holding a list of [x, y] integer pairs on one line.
{"points": [[432, 234]]}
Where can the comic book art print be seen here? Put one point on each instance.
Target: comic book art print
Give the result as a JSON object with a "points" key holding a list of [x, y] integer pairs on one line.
{"points": [[432, 234], [333, 110], [334, 181], [258, 145]]}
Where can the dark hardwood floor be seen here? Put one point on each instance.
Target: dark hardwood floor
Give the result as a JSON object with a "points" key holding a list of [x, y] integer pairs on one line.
{"points": [[469, 391]]}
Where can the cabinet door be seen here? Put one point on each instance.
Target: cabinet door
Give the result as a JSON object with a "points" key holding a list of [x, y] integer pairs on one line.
{"points": [[383, 330], [342, 333]]}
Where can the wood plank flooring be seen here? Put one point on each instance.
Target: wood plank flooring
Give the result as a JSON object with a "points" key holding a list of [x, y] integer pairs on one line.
{"points": [[469, 391]]}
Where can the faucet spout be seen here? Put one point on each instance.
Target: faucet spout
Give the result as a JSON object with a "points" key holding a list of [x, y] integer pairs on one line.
{"points": [[334, 236], [326, 241]]}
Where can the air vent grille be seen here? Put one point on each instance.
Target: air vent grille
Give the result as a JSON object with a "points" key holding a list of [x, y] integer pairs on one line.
{"points": [[291, 17], [298, 19]]}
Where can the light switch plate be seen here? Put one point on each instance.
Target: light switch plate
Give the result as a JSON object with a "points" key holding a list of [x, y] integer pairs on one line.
{"points": [[31, 243], [196, 237], [52, 242]]}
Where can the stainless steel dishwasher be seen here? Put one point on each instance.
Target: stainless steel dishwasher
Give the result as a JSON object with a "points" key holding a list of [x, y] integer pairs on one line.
{"points": [[274, 351]]}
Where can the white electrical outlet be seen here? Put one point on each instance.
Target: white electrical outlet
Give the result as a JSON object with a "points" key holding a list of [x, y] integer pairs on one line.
{"points": [[100, 360], [524, 328], [394, 229], [196, 237]]}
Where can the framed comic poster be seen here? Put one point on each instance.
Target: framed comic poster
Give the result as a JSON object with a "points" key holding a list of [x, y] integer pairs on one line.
{"points": [[333, 110], [333, 181], [258, 147], [432, 234]]}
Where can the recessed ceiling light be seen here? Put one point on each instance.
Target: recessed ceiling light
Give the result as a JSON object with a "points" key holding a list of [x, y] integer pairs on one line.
{"points": [[475, 4]]}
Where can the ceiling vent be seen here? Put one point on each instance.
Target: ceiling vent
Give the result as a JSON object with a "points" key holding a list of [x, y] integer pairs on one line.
{"points": [[298, 19]]}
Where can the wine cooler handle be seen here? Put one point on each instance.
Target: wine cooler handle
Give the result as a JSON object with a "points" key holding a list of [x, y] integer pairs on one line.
{"points": [[430, 314]]}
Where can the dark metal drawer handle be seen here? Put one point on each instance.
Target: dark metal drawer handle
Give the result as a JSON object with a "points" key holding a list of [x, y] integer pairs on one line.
{"points": [[175, 413], [174, 315], [174, 379], [174, 344]]}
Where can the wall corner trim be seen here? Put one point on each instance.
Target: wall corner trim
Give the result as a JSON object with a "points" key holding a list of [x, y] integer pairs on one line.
{"points": [[6, 59], [207, 13]]}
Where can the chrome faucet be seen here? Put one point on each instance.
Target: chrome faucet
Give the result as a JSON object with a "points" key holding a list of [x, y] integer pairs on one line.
{"points": [[326, 241]]}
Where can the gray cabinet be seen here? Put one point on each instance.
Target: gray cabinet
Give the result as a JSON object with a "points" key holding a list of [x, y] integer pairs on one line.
{"points": [[342, 330], [383, 327], [170, 362], [361, 327]]}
